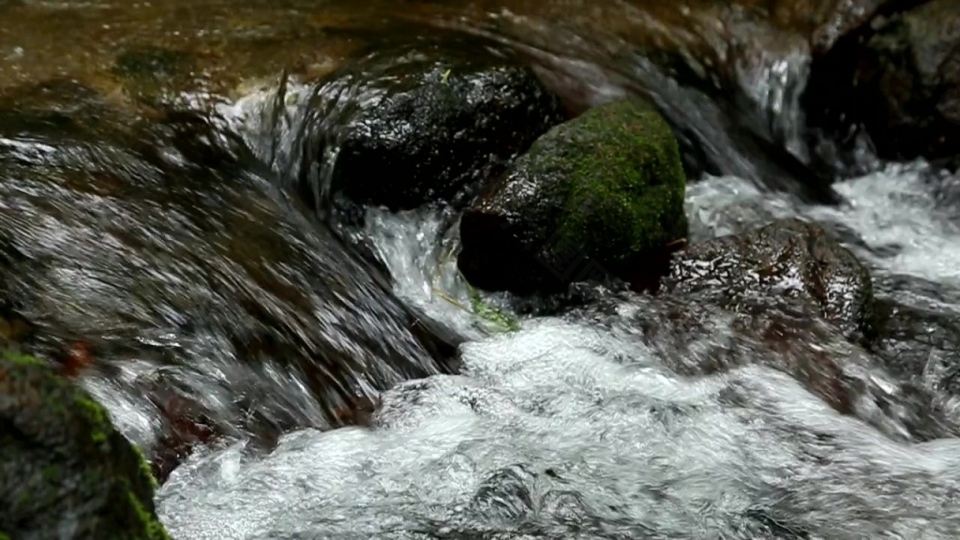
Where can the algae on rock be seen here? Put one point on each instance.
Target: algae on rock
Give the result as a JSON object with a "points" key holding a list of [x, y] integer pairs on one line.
{"points": [[592, 198], [65, 471]]}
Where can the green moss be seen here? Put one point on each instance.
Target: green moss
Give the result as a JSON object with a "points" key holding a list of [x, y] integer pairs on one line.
{"points": [[617, 180], [145, 467], [21, 359], [627, 186], [151, 526], [4, 536], [496, 316], [59, 473], [95, 415], [52, 473]]}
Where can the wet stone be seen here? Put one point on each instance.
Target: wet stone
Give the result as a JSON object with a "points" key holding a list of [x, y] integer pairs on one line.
{"points": [[65, 471], [594, 199], [899, 82], [791, 258], [169, 245], [919, 344], [411, 125]]}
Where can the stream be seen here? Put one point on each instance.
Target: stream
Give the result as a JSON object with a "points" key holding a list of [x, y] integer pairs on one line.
{"points": [[574, 425], [576, 429]]}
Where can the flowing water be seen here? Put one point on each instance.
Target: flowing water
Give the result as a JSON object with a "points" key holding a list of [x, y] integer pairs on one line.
{"points": [[577, 425]]}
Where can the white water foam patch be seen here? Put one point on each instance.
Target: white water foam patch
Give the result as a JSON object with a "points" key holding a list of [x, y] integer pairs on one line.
{"points": [[895, 211], [725, 205], [901, 228], [565, 431], [419, 248]]}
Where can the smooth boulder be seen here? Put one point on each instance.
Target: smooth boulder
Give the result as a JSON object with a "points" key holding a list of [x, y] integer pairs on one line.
{"points": [[65, 471], [789, 258], [407, 126], [592, 198]]}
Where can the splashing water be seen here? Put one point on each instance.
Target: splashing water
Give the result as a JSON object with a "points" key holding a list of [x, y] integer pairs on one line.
{"points": [[576, 428]]}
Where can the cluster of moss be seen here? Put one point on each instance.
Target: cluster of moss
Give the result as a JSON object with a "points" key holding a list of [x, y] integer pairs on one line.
{"points": [[502, 319], [64, 465], [619, 180], [628, 188]]}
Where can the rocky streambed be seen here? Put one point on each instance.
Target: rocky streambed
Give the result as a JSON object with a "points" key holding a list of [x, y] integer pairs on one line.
{"points": [[480, 269]]}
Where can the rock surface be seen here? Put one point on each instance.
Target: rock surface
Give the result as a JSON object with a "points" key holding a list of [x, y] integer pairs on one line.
{"points": [[123, 239], [898, 78], [789, 258], [410, 125], [696, 333], [592, 197], [919, 344], [65, 471]]}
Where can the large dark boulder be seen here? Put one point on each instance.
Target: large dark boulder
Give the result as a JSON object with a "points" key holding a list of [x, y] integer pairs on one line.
{"points": [[404, 127], [168, 244], [592, 197], [65, 471], [789, 258], [898, 79]]}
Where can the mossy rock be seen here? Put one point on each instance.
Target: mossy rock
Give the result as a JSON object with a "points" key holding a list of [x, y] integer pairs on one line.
{"points": [[65, 471], [592, 198]]}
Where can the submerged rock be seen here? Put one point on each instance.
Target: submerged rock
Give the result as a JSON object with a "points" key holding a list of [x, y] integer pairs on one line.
{"points": [[788, 258], [408, 126], [919, 344], [168, 245], [65, 471], [592, 197], [154, 75], [898, 78]]}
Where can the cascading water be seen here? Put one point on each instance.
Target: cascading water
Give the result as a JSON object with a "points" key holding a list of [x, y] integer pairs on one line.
{"points": [[574, 426]]}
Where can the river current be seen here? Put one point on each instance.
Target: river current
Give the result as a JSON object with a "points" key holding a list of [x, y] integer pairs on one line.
{"points": [[573, 428], [576, 426]]}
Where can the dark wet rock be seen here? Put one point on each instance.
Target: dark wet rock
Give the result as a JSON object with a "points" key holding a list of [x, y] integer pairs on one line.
{"points": [[788, 258], [170, 245], [919, 344], [187, 421], [406, 126], [65, 471], [899, 79], [592, 198]]}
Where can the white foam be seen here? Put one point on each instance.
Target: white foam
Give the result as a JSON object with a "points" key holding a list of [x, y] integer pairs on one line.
{"points": [[560, 427]]}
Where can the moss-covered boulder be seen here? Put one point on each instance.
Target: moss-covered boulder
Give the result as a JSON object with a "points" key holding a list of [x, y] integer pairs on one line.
{"points": [[65, 472], [409, 125], [593, 197]]}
